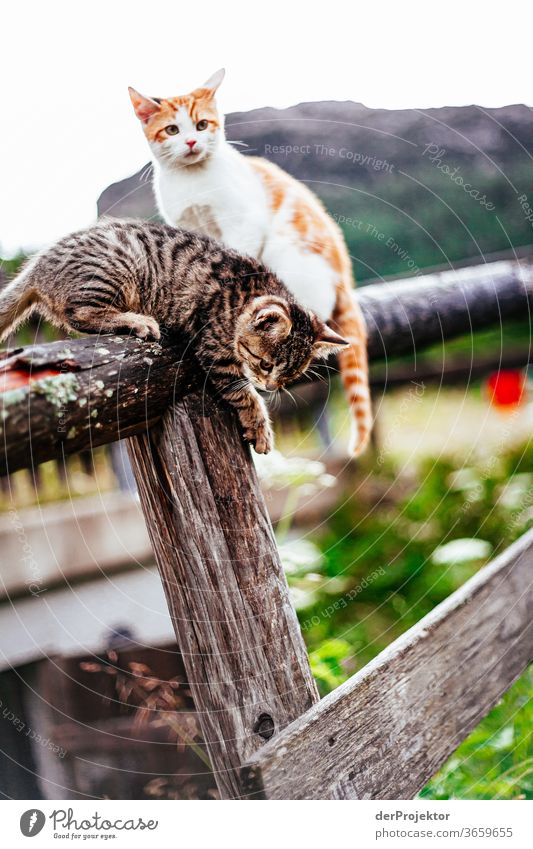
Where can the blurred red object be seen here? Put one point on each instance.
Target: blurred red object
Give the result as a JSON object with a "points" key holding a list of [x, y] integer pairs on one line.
{"points": [[16, 378], [506, 388]]}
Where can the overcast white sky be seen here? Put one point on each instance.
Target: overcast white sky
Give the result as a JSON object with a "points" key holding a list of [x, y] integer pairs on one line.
{"points": [[68, 130]]}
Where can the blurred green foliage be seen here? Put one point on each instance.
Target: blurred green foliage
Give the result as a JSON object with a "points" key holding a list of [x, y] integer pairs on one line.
{"points": [[9, 267], [428, 219], [380, 575]]}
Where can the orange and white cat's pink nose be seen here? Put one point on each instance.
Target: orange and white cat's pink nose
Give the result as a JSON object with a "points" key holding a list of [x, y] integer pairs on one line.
{"points": [[190, 143]]}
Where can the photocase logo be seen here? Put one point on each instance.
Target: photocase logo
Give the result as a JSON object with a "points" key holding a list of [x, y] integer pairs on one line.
{"points": [[32, 822]]}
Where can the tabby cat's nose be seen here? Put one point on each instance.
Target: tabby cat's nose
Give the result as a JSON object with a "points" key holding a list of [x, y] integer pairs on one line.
{"points": [[271, 385]]}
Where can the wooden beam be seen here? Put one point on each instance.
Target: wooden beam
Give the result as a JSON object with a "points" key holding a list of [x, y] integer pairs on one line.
{"points": [[72, 395], [76, 394], [406, 316], [388, 729], [236, 628], [70, 541]]}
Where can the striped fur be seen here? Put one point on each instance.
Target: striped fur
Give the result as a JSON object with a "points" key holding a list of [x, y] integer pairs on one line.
{"points": [[235, 316]]}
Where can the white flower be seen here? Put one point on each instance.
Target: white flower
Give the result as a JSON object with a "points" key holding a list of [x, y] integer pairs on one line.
{"points": [[300, 556], [278, 472], [302, 599], [518, 488], [461, 551], [463, 479]]}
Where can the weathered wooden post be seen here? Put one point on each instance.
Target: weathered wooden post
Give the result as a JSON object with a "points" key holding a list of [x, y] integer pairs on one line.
{"points": [[246, 661]]}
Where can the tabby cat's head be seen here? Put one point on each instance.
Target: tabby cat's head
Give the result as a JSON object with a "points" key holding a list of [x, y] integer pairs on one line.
{"points": [[276, 341], [182, 130]]}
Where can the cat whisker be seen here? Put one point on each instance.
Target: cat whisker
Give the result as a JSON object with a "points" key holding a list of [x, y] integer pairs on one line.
{"points": [[317, 375], [330, 368], [275, 400], [237, 385], [291, 396]]}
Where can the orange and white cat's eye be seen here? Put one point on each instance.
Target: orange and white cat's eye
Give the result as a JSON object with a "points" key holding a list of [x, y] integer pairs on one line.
{"points": [[171, 130], [202, 125]]}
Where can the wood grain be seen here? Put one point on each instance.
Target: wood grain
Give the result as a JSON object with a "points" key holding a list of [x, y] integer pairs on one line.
{"points": [[405, 316], [62, 397], [237, 630], [389, 728]]}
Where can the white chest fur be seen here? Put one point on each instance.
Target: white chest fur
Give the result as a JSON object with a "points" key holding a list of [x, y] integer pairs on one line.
{"points": [[222, 197], [225, 198]]}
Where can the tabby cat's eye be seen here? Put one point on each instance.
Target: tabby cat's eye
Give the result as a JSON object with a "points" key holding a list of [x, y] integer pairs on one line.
{"points": [[171, 130], [202, 125], [265, 366]]}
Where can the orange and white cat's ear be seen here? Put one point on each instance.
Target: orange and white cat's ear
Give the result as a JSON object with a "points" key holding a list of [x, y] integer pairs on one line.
{"points": [[328, 342], [273, 318], [144, 107], [215, 80]]}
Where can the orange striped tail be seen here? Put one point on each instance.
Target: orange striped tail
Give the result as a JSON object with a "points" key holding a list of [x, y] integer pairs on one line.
{"points": [[353, 363]]}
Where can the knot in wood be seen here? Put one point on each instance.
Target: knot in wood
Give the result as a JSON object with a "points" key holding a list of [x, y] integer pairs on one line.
{"points": [[264, 726]]}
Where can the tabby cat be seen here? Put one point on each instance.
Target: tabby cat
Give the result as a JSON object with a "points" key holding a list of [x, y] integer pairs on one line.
{"points": [[240, 322], [203, 183]]}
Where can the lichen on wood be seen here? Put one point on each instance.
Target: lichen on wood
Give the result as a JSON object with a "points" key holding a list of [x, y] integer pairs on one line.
{"points": [[59, 390]]}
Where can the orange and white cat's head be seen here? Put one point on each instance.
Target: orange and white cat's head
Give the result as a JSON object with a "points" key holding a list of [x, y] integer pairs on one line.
{"points": [[184, 130]]}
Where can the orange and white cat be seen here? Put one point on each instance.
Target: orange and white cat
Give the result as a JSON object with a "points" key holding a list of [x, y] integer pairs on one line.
{"points": [[202, 183]]}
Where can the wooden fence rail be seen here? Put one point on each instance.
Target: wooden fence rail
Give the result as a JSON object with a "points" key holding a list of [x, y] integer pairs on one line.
{"points": [[228, 599], [384, 732]]}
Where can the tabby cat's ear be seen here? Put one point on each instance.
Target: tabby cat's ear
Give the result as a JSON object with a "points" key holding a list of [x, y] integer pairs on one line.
{"points": [[215, 80], [144, 107], [273, 318], [328, 342]]}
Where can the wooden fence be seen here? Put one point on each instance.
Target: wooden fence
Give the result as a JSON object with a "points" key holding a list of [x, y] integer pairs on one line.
{"points": [[386, 730]]}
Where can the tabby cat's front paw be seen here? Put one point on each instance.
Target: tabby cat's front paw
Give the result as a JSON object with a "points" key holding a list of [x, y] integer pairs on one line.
{"points": [[261, 436], [146, 328]]}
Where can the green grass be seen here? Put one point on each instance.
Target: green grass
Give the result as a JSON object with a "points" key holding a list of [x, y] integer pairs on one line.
{"points": [[378, 577], [496, 760]]}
